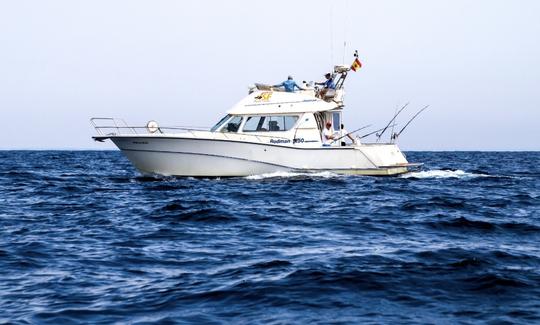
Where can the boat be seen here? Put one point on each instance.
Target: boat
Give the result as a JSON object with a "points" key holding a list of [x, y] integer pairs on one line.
{"points": [[269, 131]]}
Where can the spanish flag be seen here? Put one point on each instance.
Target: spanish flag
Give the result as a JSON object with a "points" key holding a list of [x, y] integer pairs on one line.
{"points": [[356, 65]]}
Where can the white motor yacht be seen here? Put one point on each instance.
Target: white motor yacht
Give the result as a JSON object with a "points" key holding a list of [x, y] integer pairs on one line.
{"points": [[268, 131]]}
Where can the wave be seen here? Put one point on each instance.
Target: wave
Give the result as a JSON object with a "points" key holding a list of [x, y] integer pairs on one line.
{"points": [[272, 264], [495, 282], [180, 213], [463, 223], [292, 175], [441, 173], [435, 202]]}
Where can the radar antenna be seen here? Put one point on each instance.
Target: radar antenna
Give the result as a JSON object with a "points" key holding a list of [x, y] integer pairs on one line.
{"points": [[343, 70]]}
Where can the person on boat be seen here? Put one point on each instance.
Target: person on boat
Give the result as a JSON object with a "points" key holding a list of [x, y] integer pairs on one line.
{"points": [[344, 133], [328, 135], [289, 85], [327, 85]]}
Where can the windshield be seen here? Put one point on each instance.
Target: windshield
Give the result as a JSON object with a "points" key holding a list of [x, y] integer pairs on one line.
{"points": [[218, 124], [232, 124]]}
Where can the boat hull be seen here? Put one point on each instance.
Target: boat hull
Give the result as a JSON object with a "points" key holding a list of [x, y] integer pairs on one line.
{"points": [[178, 156]]}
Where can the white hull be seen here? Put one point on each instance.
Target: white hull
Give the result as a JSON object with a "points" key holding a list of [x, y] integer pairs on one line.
{"points": [[189, 156]]}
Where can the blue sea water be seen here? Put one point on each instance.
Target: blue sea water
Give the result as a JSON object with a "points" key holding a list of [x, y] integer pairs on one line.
{"points": [[84, 238]]}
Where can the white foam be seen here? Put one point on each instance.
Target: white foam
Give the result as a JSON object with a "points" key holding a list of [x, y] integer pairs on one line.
{"points": [[292, 174], [442, 174]]}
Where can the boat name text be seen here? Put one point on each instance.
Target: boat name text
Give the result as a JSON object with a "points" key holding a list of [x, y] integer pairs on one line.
{"points": [[279, 141], [282, 141]]}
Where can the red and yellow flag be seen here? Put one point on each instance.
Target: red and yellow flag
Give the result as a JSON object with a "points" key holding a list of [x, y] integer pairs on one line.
{"points": [[356, 65]]}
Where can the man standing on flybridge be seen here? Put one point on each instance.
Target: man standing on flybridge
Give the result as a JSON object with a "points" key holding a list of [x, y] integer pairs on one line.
{"points": [[289, 85]]}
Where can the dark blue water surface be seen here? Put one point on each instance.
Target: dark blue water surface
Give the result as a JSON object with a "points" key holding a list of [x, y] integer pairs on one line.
{"points": [[85, 239]]}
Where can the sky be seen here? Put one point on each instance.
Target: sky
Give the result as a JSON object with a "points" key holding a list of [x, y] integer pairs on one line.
{"points": [[476, 63]]}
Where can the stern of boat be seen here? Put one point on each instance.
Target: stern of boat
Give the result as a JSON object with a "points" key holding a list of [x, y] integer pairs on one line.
{"points": [[387, 158]]}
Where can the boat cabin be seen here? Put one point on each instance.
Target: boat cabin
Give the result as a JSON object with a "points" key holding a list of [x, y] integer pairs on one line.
{"points": [[288, 118], [296, 118]]}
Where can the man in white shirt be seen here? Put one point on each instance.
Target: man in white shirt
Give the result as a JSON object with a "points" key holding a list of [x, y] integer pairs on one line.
{"points": [[345, 133], [328, 135]]}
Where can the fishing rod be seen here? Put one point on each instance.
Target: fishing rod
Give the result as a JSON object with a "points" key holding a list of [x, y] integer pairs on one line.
{"points": [[396, 135], [392, 132], [366, 126], [367, 135], [379, 135]]}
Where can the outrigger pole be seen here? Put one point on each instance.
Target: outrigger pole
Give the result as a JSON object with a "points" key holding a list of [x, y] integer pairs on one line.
{"points": [[379, 135], [396, 135]]}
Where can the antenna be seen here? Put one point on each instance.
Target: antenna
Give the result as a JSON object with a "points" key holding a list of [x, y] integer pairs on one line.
{"points": [[345, 26], [332, 35]]}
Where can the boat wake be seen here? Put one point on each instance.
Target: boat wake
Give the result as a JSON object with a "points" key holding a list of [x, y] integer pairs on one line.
{"points": [[426, 174], [292, 174], [438, 173]]}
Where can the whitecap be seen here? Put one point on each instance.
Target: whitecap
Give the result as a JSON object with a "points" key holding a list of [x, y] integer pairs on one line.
{"points": [[324, 174], [437, 173]]}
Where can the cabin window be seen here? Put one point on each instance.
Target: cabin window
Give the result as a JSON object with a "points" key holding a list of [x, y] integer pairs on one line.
{"points": [[232, 125], [255, 123], [269, 123], [276, 123], [220, 123], [336, 121], [290, 121]]}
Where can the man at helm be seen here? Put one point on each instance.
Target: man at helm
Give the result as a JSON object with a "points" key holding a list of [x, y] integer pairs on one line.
{"points": [[328, 134], [289, 85]]}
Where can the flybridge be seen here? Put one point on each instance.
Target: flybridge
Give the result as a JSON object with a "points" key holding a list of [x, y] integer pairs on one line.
{"points": [[264, 99]]}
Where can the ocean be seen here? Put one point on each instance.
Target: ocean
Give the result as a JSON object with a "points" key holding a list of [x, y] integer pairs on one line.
{"points": [[85, 239]]}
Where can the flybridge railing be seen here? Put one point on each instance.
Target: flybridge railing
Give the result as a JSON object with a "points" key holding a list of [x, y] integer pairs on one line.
{"points": [[116, 126]]}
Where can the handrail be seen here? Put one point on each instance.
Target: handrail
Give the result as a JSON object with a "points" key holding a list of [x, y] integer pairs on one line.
{"points": [[161, 127], [120, 125], [115, 124]]}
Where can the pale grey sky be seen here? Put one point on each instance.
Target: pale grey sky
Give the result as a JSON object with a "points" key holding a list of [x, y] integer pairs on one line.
{"points": [[477, 63]]}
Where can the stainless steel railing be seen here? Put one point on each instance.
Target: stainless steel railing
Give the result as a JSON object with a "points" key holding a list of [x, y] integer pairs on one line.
{"points": [[110, 126], [118, 126]]}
